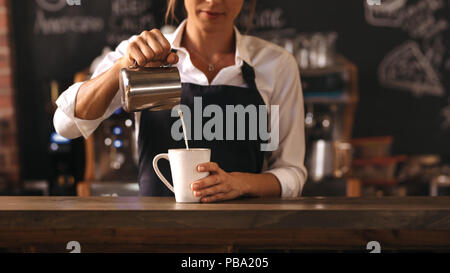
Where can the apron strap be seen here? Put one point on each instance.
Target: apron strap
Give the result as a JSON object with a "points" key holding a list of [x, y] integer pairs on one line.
{"points": [[248, 73]]}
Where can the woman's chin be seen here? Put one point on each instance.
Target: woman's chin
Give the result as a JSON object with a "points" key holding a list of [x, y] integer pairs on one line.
{"points": [[216, 25]]}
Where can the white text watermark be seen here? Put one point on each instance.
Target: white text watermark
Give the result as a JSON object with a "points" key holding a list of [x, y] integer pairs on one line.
{"points": [[215, 129]]}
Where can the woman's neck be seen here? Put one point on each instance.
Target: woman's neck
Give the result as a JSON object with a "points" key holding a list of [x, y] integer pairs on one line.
{"points": [[211, 44]]}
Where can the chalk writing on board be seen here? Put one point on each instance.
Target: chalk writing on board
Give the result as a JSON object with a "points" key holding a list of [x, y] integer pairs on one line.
{"points": [[51, 5], [266, 18], [408, 69], [417, 19], [48, 25], [129, 17], [385, 14], [270, 19], [130, 7]]}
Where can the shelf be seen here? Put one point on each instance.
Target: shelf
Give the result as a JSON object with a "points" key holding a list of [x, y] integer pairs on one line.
{"points": [[311, 72], [380, 182], [342, 65], [343, 99]]}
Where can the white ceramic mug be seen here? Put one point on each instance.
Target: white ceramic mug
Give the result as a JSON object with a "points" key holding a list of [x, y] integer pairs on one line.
{"points": [[183, 166]]}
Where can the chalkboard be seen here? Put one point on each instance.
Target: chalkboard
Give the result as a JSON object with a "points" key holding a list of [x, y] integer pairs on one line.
{"points": [[400, 48], [53, 41]]}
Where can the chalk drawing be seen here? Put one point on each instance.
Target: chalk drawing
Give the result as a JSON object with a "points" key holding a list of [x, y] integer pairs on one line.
{"points": [[385, 14], [445, 112], [434, 50], [407, 68], [420, 21], [410, 67], [447, 64], [417, 19]]}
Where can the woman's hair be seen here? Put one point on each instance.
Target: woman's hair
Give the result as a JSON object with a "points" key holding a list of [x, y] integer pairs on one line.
{"points": [[172, 5]]}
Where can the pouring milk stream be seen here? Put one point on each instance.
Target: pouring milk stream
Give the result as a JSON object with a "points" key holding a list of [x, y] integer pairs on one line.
{"points": [[180, 113]]}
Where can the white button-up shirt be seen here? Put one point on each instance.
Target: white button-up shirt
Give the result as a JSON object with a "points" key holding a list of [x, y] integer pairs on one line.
{"points": [[277, 79]]}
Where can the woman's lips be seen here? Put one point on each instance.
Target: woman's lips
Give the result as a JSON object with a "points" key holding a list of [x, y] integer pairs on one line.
{"points": [[211, 14]]}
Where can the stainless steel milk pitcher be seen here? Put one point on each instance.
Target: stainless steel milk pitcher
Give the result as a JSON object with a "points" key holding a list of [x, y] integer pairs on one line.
{"points": [[152, 88]]}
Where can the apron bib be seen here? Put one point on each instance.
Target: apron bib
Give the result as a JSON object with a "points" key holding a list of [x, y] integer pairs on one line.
{"points": [[231, 155]]}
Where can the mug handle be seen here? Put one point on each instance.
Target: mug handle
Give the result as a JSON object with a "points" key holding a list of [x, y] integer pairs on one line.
{"points": [[158, 173]]}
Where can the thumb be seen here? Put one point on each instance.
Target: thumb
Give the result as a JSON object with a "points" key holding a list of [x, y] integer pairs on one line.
{"points": [[172, 58]]}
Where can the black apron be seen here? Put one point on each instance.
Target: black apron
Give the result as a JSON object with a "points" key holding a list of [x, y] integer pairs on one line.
{"points": [[231, 155]]}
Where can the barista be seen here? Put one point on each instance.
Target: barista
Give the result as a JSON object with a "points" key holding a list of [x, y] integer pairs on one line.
{"points": [[223, 67]]}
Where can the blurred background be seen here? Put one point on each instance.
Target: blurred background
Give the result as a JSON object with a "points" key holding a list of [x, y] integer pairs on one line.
{"points": [[375, 77]]}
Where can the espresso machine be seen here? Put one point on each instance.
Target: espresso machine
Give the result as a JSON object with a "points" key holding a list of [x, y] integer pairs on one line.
{"points": [[330, 90], [328, 154]]}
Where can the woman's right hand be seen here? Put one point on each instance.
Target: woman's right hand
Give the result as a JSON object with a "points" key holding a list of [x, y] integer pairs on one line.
{"points": [[149, 49]]}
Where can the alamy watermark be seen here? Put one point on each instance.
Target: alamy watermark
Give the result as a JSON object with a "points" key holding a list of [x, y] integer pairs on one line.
{"points": [[374, 247], [74, 246], [213, 129], [73, 2], [374, 2]]}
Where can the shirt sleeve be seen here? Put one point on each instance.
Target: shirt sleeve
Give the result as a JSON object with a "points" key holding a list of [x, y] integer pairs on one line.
{"points": [[287, 161], [64, 120]]}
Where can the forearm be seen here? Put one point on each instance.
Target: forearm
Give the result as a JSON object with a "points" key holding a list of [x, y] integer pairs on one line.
{"points": [[95, 95], [260, 185]]}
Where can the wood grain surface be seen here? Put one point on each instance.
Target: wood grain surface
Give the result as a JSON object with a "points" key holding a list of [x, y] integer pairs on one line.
{"points": [[148, 224]]}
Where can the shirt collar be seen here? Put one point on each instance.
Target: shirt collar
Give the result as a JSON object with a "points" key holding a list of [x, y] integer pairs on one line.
{"points": [[242, 53]]}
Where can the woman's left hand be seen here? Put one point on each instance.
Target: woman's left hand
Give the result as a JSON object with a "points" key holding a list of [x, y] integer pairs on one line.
{"points": [[219, 185]]}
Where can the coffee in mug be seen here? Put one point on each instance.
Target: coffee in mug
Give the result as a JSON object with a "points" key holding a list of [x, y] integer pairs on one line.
{"points": [[183, 166]]}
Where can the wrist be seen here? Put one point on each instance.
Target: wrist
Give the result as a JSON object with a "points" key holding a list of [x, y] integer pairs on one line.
{"points": [[120, 63], [261, 185], [245, 183], [124, 62]]}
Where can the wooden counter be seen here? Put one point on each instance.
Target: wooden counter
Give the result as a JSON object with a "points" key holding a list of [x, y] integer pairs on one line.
{"points": [[137, 224]]}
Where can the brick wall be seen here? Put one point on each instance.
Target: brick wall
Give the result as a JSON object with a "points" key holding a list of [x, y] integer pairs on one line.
{"points": [[9, 164]]}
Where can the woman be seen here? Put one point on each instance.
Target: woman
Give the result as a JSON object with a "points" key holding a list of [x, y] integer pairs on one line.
{"points": [[221, 66]]}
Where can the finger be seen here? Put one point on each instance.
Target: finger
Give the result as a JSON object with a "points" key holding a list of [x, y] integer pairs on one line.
{"points": [[145, 49], [220, 188], [209, 167], [136, 54], [161, 39], [206, 182], [158, 49], [172, 58], [216, 198]]}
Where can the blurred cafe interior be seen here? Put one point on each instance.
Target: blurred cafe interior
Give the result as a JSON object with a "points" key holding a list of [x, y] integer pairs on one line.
{"points": [[375, 82], [375, 88]]}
